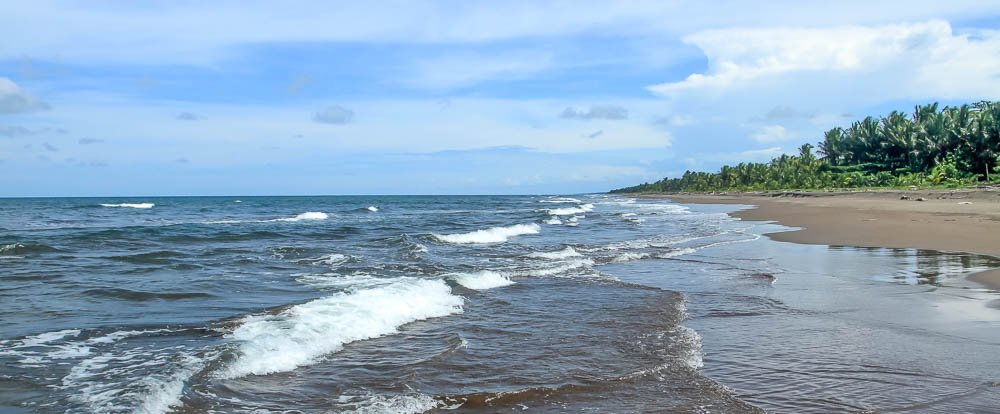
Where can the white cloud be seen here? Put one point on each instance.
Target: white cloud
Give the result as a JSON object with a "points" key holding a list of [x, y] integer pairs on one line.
{"points": [[208, 32], [904, 60], [595, 112], [730, 158], [461, 70], [13, 100], [335, 114], [771, 133], [242, 133]]}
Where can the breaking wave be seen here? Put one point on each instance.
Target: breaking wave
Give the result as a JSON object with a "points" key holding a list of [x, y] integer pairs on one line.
{"points": [[303, 333], [557, 255], [569, 211], [309, 215], [129, 205], [482, 280], [490, 235]]}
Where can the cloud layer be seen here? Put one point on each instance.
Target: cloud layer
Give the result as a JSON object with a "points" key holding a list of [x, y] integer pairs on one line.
{"points": [[595, 112], [13, 100]]}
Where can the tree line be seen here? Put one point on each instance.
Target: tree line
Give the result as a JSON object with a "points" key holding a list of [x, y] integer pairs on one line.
{"points": [[950, 146]]}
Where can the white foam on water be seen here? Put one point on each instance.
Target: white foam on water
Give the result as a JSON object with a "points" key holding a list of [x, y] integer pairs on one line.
{"points": [[560, 200], [119, 335], [332, 259], [47, 337], [130, 205], [692, 355], [48, 347], [309, 215], [342, 282], [629, 256], [238, 201], [566, 253], [555, 270], [402, 404], [554, 221], [10, 247], [481, 280], [569, 211], [373, 209], [675, 253], [121, 382], [490, 235], [163, 394], [224, 222], [303, 333]]}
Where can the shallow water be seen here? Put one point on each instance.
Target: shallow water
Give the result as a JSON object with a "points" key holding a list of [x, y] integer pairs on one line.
{"points": [[483, 304]]}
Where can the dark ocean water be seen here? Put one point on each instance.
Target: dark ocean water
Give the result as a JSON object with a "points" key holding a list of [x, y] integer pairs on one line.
{"points": [[483, 304]]}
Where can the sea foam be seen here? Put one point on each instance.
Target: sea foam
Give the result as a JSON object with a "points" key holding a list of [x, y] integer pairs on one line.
{"points": [[569, 211], [303, 333], [557, 255], [482, 280], [130, 205], [373, 209], [560, 200], [490, 235], [309, 215]]}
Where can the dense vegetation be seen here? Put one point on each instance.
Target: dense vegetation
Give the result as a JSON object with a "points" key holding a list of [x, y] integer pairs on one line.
{"points": [[951, 146]]}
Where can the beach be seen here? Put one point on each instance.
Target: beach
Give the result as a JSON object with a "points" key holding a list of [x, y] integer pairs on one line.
{"points": [[949, 221]]}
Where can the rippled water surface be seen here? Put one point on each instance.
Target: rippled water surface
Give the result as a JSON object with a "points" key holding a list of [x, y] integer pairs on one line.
{"points": [[482, 304]]}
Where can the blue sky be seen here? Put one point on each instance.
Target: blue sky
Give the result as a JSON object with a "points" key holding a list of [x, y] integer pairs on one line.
{"points": [[450, 97]]}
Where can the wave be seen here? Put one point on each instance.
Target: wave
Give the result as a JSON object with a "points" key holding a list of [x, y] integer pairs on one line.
{"points": [[140, 296], [333, 260], [129, 205], [373, 209], [303, 333], [569, 211], [554, 221], [557, 255], [490, 235], [18, 249], [675, 253], [342, 282], [403, 404], [560, 200], [224, 222], [481, 280], [106, 373], [157, 257], [629, 256], [309, 215], [555, 270]]}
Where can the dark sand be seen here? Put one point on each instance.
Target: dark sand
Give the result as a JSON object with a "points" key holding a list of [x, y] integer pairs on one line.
{"points": [[956, 221]]}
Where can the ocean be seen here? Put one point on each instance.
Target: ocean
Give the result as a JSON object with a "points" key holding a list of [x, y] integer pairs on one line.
{"points": [[411, 304]]}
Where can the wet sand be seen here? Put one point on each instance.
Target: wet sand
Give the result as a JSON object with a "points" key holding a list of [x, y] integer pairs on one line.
{"points": [[955, 221]]}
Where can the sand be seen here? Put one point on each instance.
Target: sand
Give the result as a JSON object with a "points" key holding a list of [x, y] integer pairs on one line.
{"points": [[952, 221]]}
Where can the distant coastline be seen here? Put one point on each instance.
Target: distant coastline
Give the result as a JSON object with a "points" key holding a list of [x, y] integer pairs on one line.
{"points": [[965, 220]]}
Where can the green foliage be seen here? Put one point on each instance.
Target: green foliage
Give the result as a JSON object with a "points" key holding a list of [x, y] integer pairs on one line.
{"points": [[950, 146]]}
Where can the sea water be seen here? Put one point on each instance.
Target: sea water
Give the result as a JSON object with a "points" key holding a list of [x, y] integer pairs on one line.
{"points": [[485, 304]]}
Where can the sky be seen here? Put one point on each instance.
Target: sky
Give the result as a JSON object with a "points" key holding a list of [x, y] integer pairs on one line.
{"points": [[115, 98]]}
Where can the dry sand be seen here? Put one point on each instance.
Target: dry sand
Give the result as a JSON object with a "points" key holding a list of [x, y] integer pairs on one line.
{"points": [[957, 221]]}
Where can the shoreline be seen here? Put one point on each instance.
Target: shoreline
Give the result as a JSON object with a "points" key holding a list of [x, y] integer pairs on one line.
{"points": [[949, 221]]}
